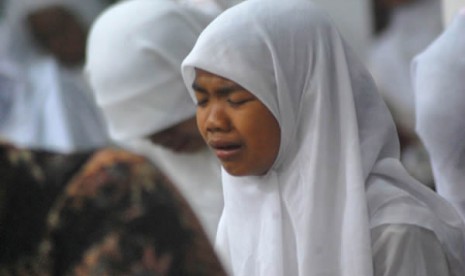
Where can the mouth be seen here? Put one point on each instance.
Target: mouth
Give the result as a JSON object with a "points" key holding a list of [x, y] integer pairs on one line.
{"points": [[225, 150]]}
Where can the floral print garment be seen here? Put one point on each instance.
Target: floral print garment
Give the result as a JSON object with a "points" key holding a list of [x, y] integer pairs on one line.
{"points": [[30, 181], [118, 215]]}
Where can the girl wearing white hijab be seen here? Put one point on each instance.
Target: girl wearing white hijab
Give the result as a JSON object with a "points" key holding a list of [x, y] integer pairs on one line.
{"points": [[134, 53], [311, 173], [438, 75], [44, 44]]}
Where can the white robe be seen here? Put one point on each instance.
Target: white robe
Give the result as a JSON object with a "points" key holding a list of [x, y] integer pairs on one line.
{"points": [[135, 50], [438, 75], [412, 27], [337, 176]]}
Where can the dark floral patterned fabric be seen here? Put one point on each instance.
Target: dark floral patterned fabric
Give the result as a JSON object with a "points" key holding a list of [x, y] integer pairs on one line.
{"points": [[30, 181], [115, 215]]}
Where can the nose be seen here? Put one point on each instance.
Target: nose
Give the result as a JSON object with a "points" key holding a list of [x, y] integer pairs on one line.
{"points": [[217, 119]]}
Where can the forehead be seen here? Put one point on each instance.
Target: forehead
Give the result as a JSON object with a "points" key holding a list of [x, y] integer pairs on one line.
{"points": [[203, 77], [209, 83]]}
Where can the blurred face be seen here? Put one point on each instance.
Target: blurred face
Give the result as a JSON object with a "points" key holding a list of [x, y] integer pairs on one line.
{"points": [[183, 137], [243, 133], [59, 32]]}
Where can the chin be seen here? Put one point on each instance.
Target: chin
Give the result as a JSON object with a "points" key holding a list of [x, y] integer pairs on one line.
{"points": [[243, 171], [236, 171]]}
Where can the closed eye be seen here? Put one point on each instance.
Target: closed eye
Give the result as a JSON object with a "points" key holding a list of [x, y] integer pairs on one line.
{"points": [[202, 97], [238, 102], [202, 102]]}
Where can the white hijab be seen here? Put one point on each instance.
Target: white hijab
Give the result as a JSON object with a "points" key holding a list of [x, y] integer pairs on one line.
{"points": [[134, 54], [438, 76], [133, 65], [52, 107], [309, 215]]}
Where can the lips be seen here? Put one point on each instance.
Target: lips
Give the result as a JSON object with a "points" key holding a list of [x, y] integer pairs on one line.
{"points": [[226, 150]]}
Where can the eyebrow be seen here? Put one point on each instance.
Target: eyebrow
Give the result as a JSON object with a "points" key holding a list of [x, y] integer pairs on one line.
{"points": [[223, 91]]}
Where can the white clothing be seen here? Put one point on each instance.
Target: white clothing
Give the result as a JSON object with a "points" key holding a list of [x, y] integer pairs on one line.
{"points": [[134, 66], [450, 9], [135, 50], [412, 28], [337, 174], [438, 75], [354, 20], [51, 106], [213, 7], [406, 250]]}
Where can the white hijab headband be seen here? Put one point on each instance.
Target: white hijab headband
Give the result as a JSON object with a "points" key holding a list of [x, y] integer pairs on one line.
{"points": [[134, 53], [309, 215], [438, 75]]}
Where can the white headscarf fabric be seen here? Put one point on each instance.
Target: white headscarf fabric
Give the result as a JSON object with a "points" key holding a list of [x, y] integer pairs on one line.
{"points": [[134, 55], [133, 62], [309, 215], [438, 76], [51, 105]]}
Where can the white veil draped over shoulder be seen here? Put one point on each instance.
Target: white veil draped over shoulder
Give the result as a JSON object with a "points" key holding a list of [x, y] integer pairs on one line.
{"points": [[438, 76], [311, 214]]}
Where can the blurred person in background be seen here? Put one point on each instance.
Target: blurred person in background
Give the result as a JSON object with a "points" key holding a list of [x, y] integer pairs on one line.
{"points": [[450, 8], [134, 55], [42, 48], [213, 7], [438, 77], [412, 25]]}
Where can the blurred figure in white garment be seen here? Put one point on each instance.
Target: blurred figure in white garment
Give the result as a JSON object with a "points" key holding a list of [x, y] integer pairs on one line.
{"points": [[412, 26], [438, 75], [42, 48], [134, 55]]}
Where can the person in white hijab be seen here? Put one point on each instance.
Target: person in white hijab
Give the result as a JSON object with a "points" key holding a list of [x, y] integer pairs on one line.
{"points": [[43, 44], [438, 76], [311, 174], [134, 54], [414, 24]]}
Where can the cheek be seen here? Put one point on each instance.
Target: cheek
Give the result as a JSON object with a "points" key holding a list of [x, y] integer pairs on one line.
{"points": [[263, 139], [265, 143]]}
